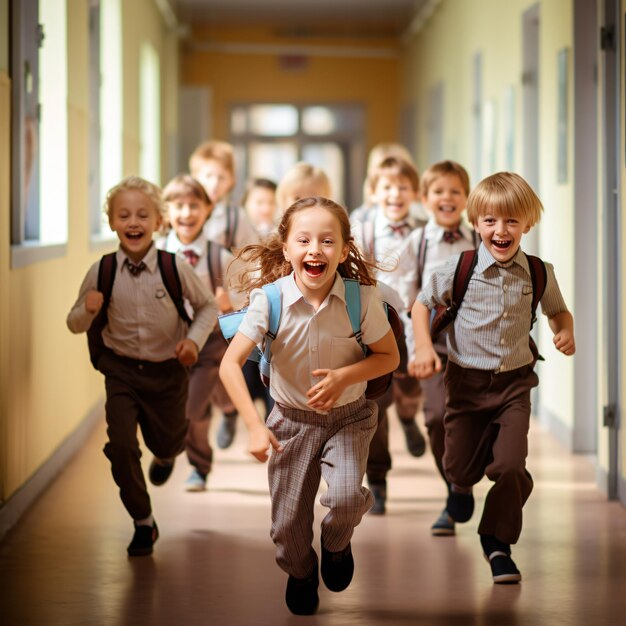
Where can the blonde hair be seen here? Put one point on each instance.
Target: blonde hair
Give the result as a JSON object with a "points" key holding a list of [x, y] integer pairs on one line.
{"points": [[504, 194], [213, 150], [302, 179], [395, 167], [185, 185], [136, 183], [377, 155], [445, 168], [266, 262]]}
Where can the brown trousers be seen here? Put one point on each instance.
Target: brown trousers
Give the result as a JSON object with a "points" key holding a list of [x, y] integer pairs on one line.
{"points": [[486, 433], [205, 388], [405, 392], [151, 396]]}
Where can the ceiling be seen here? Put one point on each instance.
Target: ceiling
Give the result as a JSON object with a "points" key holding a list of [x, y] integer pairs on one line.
{"points": [[360, 18]]}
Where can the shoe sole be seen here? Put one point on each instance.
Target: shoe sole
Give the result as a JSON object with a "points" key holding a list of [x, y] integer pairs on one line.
{"points": [[442, 532], [140, 552]]}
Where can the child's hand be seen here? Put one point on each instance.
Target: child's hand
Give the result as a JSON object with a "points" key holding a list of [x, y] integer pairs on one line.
{"points": [[223, 300], [93, 301], [564, 342], [187, 352], [324, 394], [426, 362], [260, 439]]}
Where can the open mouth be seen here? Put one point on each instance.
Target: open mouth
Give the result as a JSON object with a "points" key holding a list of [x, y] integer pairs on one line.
{"points": [[446, 208], [500, 244], [314, 268], [134, 236]]}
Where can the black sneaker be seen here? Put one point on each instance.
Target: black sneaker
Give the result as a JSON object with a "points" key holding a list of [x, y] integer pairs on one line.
{"points": [[443, 526], [337, 568], [498, 554], [301, 594], [143, 540], [226, 432], [460, 506], [160, 471], [415, 441], [379, 491]]}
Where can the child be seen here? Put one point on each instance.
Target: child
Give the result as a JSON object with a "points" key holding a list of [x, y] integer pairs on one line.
{"points": [[212, 164], [321, 424], [259, 202], [376, 156], [189, 207], [445, 187], [301, 181], [490, 373], [148, 350], [395, 185]]}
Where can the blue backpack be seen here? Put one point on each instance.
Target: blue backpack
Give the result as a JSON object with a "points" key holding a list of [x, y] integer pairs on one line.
{"points": [[229, 325]]}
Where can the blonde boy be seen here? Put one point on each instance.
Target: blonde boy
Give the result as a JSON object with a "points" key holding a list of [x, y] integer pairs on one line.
{"points": [[147, 350], [490, 372]]}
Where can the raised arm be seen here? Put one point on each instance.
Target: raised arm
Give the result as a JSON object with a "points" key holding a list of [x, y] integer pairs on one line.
{"points": [[260, 438], [426, 362], [383, 358]]}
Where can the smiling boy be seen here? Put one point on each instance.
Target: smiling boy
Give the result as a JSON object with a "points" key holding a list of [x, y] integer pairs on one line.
{"points": [[147, 350], [489, 374]]}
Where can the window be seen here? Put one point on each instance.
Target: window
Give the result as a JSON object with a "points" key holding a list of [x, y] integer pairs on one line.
{"points": [[270, 138], [106, 124], [150, 115], [39, 218]]}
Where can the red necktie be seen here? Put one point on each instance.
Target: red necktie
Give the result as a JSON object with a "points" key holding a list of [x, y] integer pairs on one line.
{"points": [[399, 229], [191, 257]]}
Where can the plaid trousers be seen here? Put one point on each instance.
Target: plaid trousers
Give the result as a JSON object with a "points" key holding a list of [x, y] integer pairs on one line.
{"points": [[332, 446]]}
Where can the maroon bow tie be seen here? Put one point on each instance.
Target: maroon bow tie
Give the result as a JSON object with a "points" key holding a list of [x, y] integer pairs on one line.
{"points": [[399, 229], [450, 236], [135, 268], [191, 257]]}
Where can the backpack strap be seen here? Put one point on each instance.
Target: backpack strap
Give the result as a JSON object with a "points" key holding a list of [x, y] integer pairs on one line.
{"points": [[214, 261], [171, 280], [421, 259], [353, 306], [367, 233], [539, 278], [106, 276], [232, 223], [274, 310], [462, 275]]}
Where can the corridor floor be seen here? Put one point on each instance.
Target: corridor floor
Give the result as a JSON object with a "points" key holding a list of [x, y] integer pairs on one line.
{"points": [[66, 561]]}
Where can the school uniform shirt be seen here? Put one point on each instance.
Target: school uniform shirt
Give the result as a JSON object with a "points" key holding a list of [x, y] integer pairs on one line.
{"points": [[199, 246], [143, 322], [215, 227], [493, 322], [308, 340], [404, 277]]}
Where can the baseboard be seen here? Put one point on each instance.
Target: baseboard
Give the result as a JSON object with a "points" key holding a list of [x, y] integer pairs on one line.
{"points": [[15, 507]]}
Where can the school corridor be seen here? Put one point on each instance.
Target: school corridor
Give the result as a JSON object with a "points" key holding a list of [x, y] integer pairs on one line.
{"points": [[66, 562]]}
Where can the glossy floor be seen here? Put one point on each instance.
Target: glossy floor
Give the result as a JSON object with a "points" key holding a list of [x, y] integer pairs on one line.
{"points": [[214, 564]]}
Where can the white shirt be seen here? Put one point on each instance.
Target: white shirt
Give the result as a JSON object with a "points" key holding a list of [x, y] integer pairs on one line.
{"points": [[143, 322], [215, 227], [308, 340], [404, 277], [492, 325], [199, 245]]}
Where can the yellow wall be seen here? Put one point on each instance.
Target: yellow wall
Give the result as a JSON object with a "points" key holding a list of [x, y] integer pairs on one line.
{"points": [[47, 384], [235, 77], [443, 51]]}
